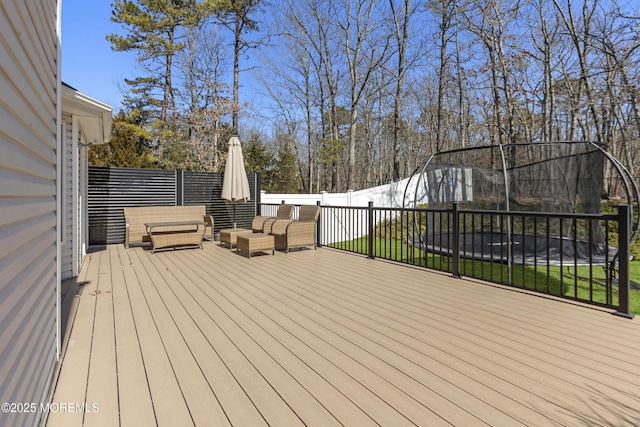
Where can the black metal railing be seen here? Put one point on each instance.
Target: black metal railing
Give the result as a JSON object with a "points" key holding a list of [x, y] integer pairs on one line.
{"points": [[574, 256]]}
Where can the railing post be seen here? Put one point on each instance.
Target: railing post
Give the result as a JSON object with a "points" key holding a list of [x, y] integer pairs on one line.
{"points": [[371, 234], [623, 262], [456, 240], [258, 194], [260, 210], [179, 187], [318, 226]]}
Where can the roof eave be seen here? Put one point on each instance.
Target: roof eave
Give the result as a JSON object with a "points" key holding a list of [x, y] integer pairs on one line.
{"points": [[94, 117]]}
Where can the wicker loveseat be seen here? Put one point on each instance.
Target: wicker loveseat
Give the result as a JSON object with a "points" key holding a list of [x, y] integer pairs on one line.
{"points": [[137, 218], [262, 224], [299, 232]]}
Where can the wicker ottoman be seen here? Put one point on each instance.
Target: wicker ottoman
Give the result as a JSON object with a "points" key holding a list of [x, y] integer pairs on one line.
{"points": [[255, 242], [230, 235]]}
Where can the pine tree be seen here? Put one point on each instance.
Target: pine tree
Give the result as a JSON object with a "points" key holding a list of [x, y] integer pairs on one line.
{"points": [[129, 146], [155, 30], [235, 15]]}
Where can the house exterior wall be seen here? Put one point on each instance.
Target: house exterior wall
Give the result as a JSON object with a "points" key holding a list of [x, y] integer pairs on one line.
{"points": [[74, 229], [85, 121], [29, 131], [67, 167], [83, 211]]}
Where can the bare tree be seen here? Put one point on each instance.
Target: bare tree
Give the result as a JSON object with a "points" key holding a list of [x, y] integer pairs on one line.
{"points": [[445, 11], [365, 47], [579, 35], [489, 21], [544, 38], [292, 81], [400, 16], [312, 55], [202, 97], [619, 42]]}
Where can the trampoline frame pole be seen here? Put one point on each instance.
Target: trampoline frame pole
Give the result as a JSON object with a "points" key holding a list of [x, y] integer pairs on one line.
{"points": [[507, 197]]}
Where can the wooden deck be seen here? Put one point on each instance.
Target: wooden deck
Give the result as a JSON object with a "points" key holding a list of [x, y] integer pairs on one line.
{"points": [[320, 338]]}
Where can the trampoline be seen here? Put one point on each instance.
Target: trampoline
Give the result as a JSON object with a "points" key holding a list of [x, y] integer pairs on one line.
{"points": [[524, 249], [507, 186]]}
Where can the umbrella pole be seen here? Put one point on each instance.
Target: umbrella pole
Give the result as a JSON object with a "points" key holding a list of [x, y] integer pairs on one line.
{"points": [[234, 214]]}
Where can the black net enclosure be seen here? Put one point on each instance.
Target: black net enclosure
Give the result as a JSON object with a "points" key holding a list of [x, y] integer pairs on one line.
{"points": [[554, 177]]}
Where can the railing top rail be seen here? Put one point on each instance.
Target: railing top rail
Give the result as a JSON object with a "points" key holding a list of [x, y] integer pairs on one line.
{"points": [[540, 214], [563, 215]]}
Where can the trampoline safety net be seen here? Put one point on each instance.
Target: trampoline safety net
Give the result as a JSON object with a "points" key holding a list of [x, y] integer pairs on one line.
{"points": [[558, 177]]}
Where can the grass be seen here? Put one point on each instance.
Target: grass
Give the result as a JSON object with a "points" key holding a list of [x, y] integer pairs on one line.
{"points": [[569, 282]]}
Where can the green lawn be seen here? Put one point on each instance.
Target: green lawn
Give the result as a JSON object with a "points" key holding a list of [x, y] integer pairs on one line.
{"points": [[568, 281]]}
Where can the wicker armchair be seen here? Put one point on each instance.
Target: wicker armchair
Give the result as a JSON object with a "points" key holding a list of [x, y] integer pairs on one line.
{"points": [[262, 224], [297, 233]]}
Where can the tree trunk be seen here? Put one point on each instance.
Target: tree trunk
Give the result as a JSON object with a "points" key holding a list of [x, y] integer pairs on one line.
{"points": [[402, 36], [237, 46]]}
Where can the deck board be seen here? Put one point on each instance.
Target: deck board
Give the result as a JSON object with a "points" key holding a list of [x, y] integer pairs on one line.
{"points": [[329, 395], [380, 351], [286, 332], [169, 405], [323, 337], [290, 298], [136, 406], [249, 378], [385, 347], [346, 356], [103, 374], [198, 395], [182, 307], [76, 352]]}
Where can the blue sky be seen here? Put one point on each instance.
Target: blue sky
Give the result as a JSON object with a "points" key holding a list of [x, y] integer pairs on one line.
{"points": [[90, 66], [88, 63]]}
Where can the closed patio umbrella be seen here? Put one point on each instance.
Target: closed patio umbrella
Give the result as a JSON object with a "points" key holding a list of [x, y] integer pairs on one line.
{"points": [[235, 185]]}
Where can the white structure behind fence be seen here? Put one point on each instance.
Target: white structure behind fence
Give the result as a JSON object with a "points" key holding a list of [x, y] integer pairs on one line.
{"points": [[342, 226], [389, 196]]}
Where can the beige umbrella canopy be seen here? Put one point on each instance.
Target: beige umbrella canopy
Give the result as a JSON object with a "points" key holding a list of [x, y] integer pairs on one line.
{"points": [[235, 186]]}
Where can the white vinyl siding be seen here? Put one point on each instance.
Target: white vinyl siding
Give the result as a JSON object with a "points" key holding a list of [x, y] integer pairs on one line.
{"points": [[83, 209], [28, 176], [84, 120], [67, 198], [74, 183]]}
